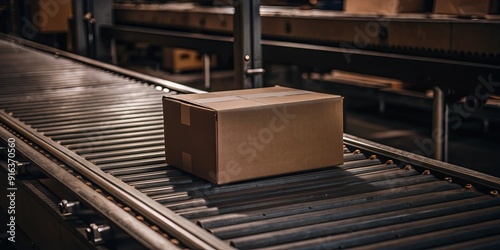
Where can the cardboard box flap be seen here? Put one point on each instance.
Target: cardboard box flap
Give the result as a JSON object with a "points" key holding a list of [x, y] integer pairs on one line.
{"points": [[192, 97], [251, 98], [466, 7], [384, 6]]}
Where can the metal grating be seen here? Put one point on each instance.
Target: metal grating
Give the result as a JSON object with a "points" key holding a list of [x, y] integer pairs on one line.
{"points": [[116, 123]]}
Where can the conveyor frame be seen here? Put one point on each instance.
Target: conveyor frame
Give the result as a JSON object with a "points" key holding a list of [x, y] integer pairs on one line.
{"points": [[187, 232]]}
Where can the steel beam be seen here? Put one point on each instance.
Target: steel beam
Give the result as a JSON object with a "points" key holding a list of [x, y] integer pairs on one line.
{"points": [[247, 47], [78, 38], [103, 15]]}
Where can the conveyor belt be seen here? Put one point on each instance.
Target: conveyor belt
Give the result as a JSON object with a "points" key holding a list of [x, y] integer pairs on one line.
{"points": [[115, 123]]}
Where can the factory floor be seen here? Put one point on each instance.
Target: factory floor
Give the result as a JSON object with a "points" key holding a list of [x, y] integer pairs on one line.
{"points": [[399, 127]]}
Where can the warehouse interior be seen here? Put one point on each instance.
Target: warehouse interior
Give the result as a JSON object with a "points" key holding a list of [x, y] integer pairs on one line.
{"points": [[81, 84]]}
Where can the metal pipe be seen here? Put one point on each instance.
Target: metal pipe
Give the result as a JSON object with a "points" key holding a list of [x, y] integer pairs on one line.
{"points": [[146, 175], [338, 213], [163, 181], [114, 145], [490, 242], [132, 163], [446, 237], [206, 70], [96, 123], [128, 158], [89, 128], [67, 114], [385, 225], [216, 209], [96, 156], [223, 205], [89, 136], [438, 130], [337, 201], [110, 118], [138, 170]]}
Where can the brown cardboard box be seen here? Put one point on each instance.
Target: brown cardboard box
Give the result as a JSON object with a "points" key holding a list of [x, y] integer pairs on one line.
{"points": [[179, 60], [384, 6], [50, 16], [466, 7], [239, 135]]}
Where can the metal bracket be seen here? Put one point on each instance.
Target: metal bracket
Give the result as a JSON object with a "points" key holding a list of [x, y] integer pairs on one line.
{"points": [[98, 233], [254, 72], [67, 208], [21, 167]]}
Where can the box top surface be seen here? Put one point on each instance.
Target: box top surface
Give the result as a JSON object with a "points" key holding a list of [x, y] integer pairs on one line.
{"points": [[249, 98]]}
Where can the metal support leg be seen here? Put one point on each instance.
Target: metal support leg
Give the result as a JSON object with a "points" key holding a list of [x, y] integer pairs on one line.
{"points": [[88, 17], [102, 15], [440, 125], [381, 106], [206, 70], [114, 56], [486, 125], [79, 39], [247, 47]]}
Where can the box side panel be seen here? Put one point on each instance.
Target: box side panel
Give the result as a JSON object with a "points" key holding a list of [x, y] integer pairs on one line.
{"points": [[464, 7], [406, 6], [190, 138], [282, 138], [383, 6], [50, 16]]}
